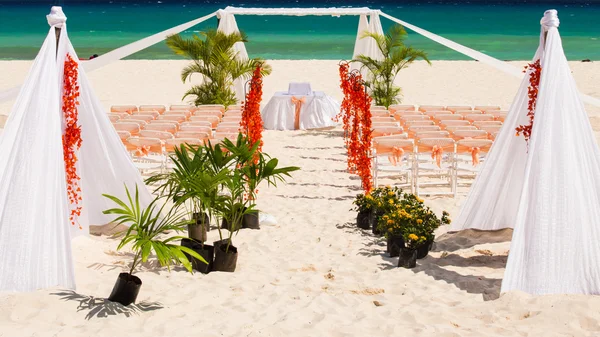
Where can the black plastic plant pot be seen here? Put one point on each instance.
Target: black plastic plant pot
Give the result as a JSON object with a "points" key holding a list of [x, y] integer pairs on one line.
{"points": [[423, 250], [225, 258], [126, 289], [394, 245], [206, 251], [198, 231], [407, 258], [431, 242], [363, 219], [374, 222], [250, 220]]}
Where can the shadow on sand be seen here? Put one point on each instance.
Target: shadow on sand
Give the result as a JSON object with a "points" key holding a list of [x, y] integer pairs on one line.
{"points": [[489, 288], [102, 308]]}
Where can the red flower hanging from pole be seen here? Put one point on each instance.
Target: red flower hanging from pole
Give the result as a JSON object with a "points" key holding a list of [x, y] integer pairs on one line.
{"points": [[72, 135], [356, 116], [346, 106], [535, 74], [252, 121]]}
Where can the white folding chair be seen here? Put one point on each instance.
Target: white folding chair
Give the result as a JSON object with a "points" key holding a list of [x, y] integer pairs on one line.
{"points": [[395, 156], [470, 153], [434, 161]]}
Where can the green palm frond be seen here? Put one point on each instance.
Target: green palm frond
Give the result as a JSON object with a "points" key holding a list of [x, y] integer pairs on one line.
{"points": [[145, 227], [382, 73], [214, 58]]}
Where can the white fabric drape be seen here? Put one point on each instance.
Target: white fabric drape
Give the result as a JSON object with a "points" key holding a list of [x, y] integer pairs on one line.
{"points": [[35, 230], [360, 46], [35, 243], [228, 25], [298, 11], [316, 112], [375, 28], [554, 249]]}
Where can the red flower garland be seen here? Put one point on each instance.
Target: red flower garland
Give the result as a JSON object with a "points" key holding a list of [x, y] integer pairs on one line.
{"points": [[72, 135], [534, 83], [346, 106], [356, 116], [251, 119]]}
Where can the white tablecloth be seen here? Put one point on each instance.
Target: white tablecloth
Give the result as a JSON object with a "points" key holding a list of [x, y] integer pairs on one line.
{"points": [[316, 112]]}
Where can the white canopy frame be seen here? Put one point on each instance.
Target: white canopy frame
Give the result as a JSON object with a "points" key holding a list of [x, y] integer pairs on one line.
{"points": [[134, 47]]}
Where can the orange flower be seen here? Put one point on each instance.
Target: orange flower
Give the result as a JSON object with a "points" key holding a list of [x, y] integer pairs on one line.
{"points": [[72, 135]]}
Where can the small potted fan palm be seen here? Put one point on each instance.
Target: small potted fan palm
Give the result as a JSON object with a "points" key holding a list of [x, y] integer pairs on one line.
{"points": [[146, 226], [255, 167], [231, 208], [188, 161]]}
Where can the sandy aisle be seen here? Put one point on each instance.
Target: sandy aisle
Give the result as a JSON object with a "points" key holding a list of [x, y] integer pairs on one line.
{"points": [[312, 274]]}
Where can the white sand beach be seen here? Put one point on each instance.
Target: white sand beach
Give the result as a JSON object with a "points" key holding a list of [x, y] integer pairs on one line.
{"points": [[313, 273]]}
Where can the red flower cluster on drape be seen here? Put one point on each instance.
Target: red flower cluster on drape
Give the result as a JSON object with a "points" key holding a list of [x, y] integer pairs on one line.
{"points": [[251, 120], [72, 135], [534, 83], [346, 107], [356, 116]]}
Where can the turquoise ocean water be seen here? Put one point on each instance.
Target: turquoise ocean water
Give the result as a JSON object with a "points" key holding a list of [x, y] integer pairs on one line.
{"points": [[506, 31]]}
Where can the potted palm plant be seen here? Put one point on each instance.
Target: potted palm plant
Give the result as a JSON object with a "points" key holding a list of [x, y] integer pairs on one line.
{"points": [[215, 60], [144, 234], [231, 208], [174, 185], [383, 72], [255, 167]]}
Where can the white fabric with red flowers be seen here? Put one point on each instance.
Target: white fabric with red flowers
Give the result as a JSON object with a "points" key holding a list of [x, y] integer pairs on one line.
{"points": [[35, 230]]}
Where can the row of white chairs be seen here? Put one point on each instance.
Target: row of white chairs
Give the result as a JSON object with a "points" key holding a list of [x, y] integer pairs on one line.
{"points": [[442, 161]]}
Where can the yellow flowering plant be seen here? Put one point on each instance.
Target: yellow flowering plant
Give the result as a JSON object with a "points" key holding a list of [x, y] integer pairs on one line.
{"points": [[410, 217], [386, 198], [380, 200], [364, 203]]}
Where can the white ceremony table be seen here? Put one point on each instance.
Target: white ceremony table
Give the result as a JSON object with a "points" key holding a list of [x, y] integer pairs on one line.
{"points": [[315, 111]]}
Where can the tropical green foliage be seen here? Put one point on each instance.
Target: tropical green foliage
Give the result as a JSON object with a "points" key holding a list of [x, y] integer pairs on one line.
{"points": [[219, 179], [145, 227], [215, 60], [382, 73]]}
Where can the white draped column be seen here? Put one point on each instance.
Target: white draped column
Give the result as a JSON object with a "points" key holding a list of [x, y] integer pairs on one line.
{"points": [[360, 46], [374, 27], [228, 25]]}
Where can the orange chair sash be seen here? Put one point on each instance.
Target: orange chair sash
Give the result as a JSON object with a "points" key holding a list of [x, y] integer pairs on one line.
{"points": [[298, 103], [436, 153], [142, 151], [475, 155]]}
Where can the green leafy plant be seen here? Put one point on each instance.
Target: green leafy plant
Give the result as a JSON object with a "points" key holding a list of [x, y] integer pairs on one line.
{"points": [[215, 60], [256, 166], [396, 56], [146, 225]]}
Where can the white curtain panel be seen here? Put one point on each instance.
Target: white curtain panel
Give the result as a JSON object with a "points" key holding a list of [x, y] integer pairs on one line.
{"points": [[360, 46], [228, 25], [35, 231], [555, 247], [35, 243], [494, 197], [374, 27]]}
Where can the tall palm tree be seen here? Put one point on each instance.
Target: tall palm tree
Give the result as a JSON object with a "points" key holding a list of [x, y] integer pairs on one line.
{"points": [[396, 56], [214, 58]]}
